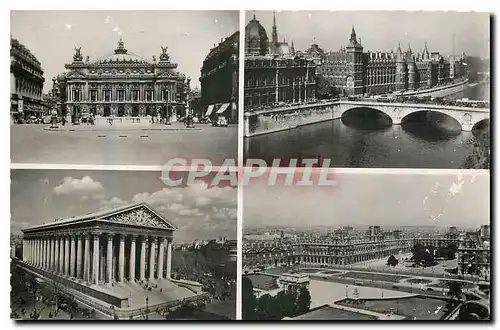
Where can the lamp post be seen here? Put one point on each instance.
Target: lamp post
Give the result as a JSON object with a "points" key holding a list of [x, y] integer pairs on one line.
{"points": [[167, 111], [147, 308], [53, 118]]}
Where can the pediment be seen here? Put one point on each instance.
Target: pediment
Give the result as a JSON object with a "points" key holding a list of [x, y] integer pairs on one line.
{"points": [[167, 74], [75, 74], [140, 216]]}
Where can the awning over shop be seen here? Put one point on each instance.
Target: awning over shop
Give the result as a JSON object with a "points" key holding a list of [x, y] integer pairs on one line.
{"points": [[222, 108], [209, 110]]}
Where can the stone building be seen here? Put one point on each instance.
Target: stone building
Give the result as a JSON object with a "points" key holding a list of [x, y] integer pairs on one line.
{"points": [[355, 72], [108, 258], [338, 250], [123, 85], [474, 255], [26, 83], [274, 74], [219, 79]]}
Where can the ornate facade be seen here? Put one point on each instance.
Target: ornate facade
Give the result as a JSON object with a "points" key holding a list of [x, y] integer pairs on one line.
{"points": [[355, 72], [274, 74], [338, 250], [123, 85], [103, 255], [474, 255], [219, 79], [26, 83]]}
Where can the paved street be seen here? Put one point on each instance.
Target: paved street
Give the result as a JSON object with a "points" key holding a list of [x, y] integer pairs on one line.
{"points": [[149, 145]]}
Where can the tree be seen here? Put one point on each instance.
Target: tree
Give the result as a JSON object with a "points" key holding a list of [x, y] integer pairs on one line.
{"points": [[249, 302], [268, 308], [324, 88], [303, 301], [392, 261], [455, 289], [287, 301], [479, 156]]}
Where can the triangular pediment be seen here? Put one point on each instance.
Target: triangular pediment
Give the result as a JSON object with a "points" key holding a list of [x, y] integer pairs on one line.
{"points": [[141, 215], [75, 74], [166, 74]]}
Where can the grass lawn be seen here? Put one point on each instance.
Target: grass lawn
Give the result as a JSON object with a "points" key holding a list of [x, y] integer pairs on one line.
{"points": [[263, 282], [375, 277], [331, 272], [419, 281]]}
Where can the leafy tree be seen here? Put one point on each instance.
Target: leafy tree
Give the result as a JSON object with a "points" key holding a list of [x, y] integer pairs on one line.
{"points": [[287, 301], [303, 301], [268, 308], [324, 88], [392, 261], [479, 156], [249, 302]]}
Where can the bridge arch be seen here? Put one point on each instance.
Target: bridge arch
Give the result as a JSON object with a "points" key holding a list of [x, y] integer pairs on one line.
{"points": [[481, 124], [433, 115], [381, 117]]}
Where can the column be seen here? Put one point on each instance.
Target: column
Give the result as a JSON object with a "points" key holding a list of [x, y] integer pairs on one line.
{"points": [[142, 269], [169, 258], [46, 253], [152, 253], [54, 255], [73, 256], [161, 251], [66, 255], [109, 259], [276, 98], [35, 260], [79, 257], [293, 90], [131, 273], [49, 266], [121, 259], [61, 254], [95, 259], [86, 259]]}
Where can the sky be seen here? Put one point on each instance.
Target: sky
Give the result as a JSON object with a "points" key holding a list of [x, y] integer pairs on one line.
{"points": [[382, 30], [189, 35], [199, 211], [364, 199]]}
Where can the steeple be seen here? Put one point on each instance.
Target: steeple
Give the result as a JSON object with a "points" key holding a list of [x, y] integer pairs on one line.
{"points": [[353, 36], [425, 54], [275, 30], [292, 49], [253, 14], [399, 54]]}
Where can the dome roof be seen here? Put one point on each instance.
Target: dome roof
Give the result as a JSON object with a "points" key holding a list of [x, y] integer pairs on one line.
{"points": [[121, 55], [256, 40]]}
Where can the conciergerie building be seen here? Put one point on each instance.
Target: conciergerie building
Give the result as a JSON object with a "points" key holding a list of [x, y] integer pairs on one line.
{"points": [[355, 72], [122, 85]]}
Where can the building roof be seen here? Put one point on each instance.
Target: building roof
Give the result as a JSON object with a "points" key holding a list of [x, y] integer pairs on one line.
{"points": [[121, 55], [101, 215]]}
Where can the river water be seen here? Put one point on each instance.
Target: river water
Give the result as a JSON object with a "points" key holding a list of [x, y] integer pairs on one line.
{"points": [[366, 138]]}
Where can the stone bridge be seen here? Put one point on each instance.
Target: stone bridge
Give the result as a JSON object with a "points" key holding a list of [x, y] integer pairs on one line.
{"points": [[467, 117], [266, 121]]}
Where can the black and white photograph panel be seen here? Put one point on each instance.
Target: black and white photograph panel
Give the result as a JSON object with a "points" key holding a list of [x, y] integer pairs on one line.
{"points": [[121, 245], [123, 87], [368, 89], [418, 249]]}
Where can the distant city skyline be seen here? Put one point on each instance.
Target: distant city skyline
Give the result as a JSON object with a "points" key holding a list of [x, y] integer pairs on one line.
{"points": [[199, 211], [362, 199], [189, 35], [382, 30]]}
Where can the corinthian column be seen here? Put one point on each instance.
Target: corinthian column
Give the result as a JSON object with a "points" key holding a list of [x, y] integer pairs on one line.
{"points": [[109, 259], [79, 257], [152, 253], [73, 256], [86, 259], [66, 255], [131, 264], [95, 259], [169, 258], [51, 256], [142, 266], [61, 254], [121, 259], [56, 255], [161, 250]]}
